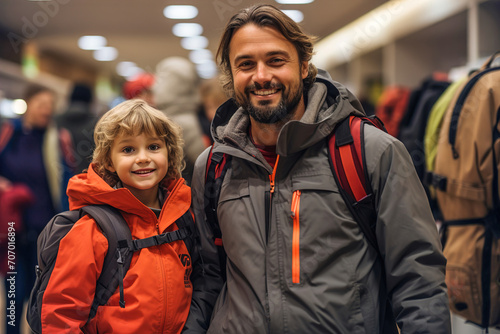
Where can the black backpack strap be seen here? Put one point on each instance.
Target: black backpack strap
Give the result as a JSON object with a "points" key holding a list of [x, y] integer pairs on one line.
{"points": [[184, 232], [118, 257], [347, 160], [217, 165]]}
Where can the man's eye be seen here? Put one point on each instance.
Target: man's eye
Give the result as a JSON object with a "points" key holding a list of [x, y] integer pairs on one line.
{"points": [[277, 61], [245, 64]]}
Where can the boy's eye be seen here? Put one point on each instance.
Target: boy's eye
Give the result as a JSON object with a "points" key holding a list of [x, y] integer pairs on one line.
{"points": [[154, 147], [127, 150]]}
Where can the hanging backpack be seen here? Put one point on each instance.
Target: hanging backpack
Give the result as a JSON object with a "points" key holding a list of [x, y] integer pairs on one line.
{"points": [[412, 128], [347, 161], [466, 178], [391, 108], [121, 248]]}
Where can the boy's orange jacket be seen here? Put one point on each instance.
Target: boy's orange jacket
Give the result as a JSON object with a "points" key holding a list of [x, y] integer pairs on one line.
{"points": [[157, 287]]}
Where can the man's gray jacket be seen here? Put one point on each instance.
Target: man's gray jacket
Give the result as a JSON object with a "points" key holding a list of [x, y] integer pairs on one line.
{"points": [[307, 267]]}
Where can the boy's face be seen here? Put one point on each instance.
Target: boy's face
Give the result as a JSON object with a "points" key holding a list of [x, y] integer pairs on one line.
{"points": [[141, 163]]}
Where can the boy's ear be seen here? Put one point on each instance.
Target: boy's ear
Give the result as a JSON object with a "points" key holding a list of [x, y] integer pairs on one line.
{"points": [[110, 167]]}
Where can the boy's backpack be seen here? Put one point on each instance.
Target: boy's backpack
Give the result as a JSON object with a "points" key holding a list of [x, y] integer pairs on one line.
{"points": [[116, 262], [467, 182], [347, 160]]}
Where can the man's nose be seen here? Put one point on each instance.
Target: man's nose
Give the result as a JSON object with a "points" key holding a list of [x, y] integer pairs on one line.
{"points": [[262, 74]]}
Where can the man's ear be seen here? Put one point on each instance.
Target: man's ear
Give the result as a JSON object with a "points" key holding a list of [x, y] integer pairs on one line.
{"points": [[304, 69]]}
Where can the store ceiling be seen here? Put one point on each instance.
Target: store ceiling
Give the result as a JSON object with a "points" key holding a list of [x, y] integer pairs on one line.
{"points": [[138, 29]]}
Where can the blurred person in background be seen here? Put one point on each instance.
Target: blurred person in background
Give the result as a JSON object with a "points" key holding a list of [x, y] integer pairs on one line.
{"points": [[176, 93], [212, 96], [139, 87], [34, 153], [80, 121]]}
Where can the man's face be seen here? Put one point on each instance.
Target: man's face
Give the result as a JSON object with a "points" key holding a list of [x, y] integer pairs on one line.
{"points": [[267, 74]]}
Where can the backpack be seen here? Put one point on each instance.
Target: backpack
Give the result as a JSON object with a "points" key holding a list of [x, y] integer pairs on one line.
{"points": [[412, 128], [116, 262], [467, 189], [347, 161], [391, 108]]}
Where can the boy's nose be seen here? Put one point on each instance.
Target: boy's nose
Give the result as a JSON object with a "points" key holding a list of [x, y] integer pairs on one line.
{"points": [[141, 158]]}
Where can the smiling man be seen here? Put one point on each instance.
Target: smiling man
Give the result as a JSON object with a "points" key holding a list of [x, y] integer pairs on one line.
{"points": [[297, 260]]}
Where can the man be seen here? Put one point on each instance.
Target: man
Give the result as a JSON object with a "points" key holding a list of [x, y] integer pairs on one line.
{"points": [[297, 261]]}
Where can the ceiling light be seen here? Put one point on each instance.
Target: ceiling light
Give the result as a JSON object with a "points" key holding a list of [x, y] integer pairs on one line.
{"points": [[295, 15], [128, 69], [107, 53], [294, 2], [91, 42], [180, 12], [207, 69], [187, 29], [200, 56], [194, 43]]}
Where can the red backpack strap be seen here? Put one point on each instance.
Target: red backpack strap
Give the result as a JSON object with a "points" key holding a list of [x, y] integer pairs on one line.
{"points": [[347, 160], [6, 131]]}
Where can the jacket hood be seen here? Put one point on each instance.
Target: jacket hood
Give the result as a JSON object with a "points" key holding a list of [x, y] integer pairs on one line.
{"points": [[175, 89], [328, 103], [89, 188]]}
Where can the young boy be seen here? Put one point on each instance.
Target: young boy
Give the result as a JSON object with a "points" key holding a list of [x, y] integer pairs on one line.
{"points": [[136, 168]]}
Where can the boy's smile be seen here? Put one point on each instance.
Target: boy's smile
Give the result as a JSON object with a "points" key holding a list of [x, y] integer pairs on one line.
{"points": [[141, 163]]}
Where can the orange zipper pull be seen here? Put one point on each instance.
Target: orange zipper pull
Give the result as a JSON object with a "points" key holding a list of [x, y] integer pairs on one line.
{"points": [[273, 175]]}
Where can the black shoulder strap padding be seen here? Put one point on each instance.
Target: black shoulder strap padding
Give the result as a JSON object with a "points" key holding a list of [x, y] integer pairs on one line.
{"points": [[186, 222], [115, 229], [211, 198], [343, 134]]}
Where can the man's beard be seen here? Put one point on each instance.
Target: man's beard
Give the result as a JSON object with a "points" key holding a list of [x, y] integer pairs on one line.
{"points": [[263, 113]]}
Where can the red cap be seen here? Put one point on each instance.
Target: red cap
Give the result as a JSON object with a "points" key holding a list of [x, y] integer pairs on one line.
{"points": [[136, 85]]}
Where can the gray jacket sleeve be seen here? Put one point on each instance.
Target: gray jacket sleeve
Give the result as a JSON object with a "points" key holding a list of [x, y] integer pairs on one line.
{"points": [[407, 238], [206, 277]]}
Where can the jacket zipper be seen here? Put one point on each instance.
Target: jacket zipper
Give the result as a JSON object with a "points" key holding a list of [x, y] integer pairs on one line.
{"points": [[268, 198], [296, 237]]}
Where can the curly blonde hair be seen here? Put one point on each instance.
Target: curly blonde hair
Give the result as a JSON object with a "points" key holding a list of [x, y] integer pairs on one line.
{"points": [[135, 117]]}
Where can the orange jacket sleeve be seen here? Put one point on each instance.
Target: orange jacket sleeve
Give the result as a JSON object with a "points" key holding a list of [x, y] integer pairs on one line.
{"points": [[71, 287]]}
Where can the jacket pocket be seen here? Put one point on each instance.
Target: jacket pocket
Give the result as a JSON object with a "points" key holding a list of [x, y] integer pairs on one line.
{"points": [[296, 237], [305, 225]]}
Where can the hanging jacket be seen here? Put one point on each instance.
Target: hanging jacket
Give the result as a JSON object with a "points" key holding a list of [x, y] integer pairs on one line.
{"points": [[307, 267], [157, 287]]}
